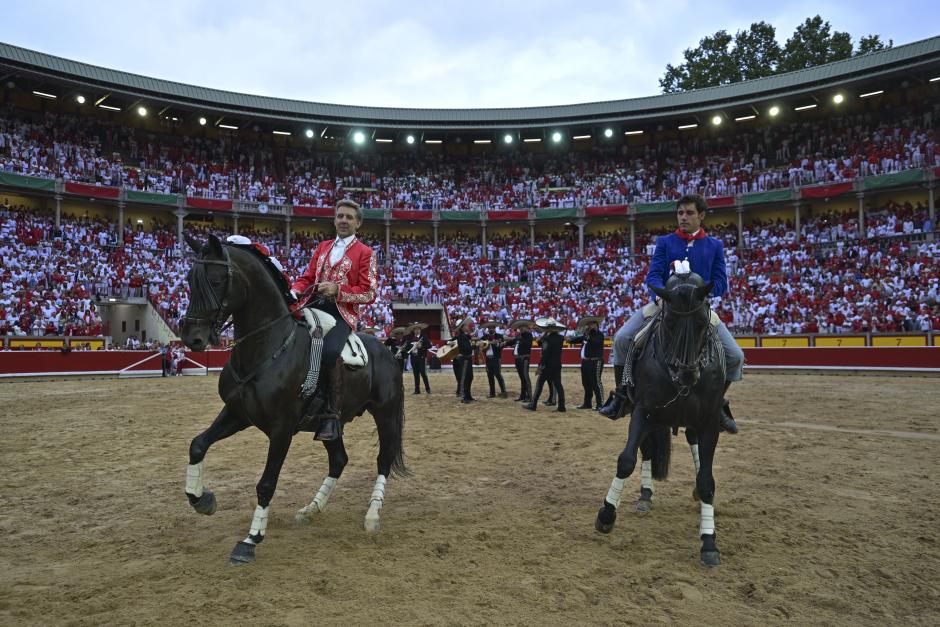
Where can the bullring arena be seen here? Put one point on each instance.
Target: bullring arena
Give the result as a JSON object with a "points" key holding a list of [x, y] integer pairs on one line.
{"points": [[827, 500], [826, 512]]}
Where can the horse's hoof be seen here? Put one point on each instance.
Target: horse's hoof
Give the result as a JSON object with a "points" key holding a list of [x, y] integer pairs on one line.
{"points": [[606, 516], [643, 506], [301, 518], [243, 553], [710, 559], [372, 525], [205, 504]]}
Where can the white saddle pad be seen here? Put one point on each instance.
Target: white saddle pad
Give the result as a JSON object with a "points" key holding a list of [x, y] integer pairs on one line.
{"points": [[354, 352]]}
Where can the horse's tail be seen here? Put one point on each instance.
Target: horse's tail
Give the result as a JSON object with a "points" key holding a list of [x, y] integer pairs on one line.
{"points": [[662, 450], [398, 467]]}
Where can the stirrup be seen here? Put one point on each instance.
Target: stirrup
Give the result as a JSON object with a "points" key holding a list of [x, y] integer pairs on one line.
{"points": [[726, 421]]}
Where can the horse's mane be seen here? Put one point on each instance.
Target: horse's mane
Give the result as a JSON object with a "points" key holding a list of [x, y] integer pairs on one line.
{"points": [[279, 278]]}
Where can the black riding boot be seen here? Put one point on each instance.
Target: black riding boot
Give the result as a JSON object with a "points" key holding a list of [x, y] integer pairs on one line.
{"points": [[330, 426], [727, 420], [619, 403]]}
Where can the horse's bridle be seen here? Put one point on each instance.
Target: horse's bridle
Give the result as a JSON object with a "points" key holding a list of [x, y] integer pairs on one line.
{"points": [[216, 320]]}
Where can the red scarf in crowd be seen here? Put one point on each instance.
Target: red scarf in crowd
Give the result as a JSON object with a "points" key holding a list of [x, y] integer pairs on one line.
{"points": [[699, 234]]}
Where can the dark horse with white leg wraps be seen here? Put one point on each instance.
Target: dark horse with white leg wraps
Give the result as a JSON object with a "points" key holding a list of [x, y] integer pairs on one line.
{"points": [[679, 381], [261, 383]]}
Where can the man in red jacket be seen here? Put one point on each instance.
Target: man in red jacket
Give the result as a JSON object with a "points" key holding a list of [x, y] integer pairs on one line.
{"points": [[342, 275]]}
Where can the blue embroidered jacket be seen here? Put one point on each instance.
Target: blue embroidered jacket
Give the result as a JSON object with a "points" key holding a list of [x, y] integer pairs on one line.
{"points": [[706, 258]]}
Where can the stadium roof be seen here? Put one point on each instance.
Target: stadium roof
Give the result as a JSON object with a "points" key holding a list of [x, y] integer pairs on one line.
{"points": [[912, 59]]}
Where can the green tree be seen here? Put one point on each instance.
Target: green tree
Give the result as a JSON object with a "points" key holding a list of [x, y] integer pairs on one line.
{"points": [[872, 43], [813, 43], [756, 51]]}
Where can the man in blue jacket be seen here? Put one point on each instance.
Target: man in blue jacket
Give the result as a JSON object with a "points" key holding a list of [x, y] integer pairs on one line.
{"points": [[707, 259]]}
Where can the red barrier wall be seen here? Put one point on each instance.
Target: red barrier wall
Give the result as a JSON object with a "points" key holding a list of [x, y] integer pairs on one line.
{"points": [[39, 363]]}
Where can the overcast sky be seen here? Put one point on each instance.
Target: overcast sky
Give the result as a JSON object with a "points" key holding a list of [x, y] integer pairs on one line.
{"points": [[413, 54]]}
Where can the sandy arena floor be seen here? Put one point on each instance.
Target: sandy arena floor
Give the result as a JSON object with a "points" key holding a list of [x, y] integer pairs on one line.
{"points": [[828, 512]]}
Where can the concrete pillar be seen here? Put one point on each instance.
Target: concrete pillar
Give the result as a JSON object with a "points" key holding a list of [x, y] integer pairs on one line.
{"points": [[120, 232], [861, 214], [180, 214], [931, 210], [287, 233], [483, 239], [796, 219], [388, 242], [58, 211], [740, 225], [581, 224], [531, 233], [235, 224], [632, 219], [435, 227]]}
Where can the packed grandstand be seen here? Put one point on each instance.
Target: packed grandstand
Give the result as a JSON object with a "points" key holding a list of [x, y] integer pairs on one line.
{"points": [[827, 213]]}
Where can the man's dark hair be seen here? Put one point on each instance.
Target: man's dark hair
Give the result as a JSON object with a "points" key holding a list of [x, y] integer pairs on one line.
{"points": [[693, 199]]}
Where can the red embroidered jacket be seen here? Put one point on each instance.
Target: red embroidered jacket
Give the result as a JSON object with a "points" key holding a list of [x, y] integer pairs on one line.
{"points": [[356, 273]]}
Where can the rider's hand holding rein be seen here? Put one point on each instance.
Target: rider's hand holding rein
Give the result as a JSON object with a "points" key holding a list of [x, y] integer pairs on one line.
{"points": [[327, 288]]}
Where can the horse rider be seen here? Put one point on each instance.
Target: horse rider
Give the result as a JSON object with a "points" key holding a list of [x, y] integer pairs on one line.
{"points": [[494, 358], [550, 363], [522, 352], [418, 353], [706, 258], [592, 359], [463, 362], [344, 274]]}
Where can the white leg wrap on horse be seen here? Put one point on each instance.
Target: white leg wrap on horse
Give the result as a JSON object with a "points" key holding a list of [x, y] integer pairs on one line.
{"points": [[194, 474], [259, 524], [706, 525], [646, 474], [375, 504], [695, 459], [318, 504], [616, 489]]}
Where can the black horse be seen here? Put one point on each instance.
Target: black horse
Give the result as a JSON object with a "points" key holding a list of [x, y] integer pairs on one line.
{"points": [[679, 381], [261, 383]]}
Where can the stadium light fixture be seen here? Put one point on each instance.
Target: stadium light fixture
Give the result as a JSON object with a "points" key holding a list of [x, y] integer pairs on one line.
{"points": [[745, 118], [838, 99], [229, 127], [287, 133], [142, 111], [80, 99], [309, 133], [805, 107], [43, 94], [608, 133], [434, 141], [685, 127], [202, 121], [359, 137], [580, 137], [716, 120], [872, 93], [410, 139], [482, 141], [383, 140], [532, 140], [774, 111], [556, 137], [507, 138], [633, 132], [109, 107]]}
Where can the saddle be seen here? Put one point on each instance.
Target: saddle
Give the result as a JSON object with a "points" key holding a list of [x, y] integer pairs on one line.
{"points": [[354, 352], [650, 314]]}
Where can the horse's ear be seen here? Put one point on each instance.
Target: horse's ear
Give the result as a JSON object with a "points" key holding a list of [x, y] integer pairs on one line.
{"points": [[195, 244], [661, 292], [701, 293], [215, 245]]}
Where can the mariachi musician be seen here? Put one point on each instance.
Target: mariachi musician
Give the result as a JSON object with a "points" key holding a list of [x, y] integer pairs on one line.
{"points": [[463, 362], [493, 352], [592, 360], [522, 353], [550, 363], [418, 346]]}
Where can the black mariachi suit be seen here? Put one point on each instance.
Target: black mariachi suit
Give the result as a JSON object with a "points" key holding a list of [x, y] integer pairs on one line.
{"points": [[523, 353], [551, 384], [493, 373], [419, 362], [465, 362], [550, 365], [592, 365], [392, 345]]}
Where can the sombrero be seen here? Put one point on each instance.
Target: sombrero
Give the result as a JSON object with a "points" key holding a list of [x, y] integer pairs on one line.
{"points": [[463, 322], [369, 330], [489, 325], [549, 324], [518, 323], [420, 326], [586, 320], [398, 331]]}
